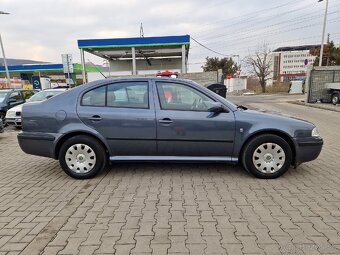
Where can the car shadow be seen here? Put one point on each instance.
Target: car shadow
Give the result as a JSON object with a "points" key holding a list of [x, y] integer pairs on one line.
{"points": [[184, 169]]}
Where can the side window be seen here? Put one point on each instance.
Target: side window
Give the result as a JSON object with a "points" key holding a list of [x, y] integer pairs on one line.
{"points": [[175, 96], [128, 95], [94, 97], [15, 97], [27, 94]]}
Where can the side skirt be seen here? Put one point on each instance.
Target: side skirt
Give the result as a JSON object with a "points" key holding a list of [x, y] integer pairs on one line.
{"points": [[174, 158]]}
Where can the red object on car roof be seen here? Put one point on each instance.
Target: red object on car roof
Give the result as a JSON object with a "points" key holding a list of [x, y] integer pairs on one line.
{"points": [[167, 73]]}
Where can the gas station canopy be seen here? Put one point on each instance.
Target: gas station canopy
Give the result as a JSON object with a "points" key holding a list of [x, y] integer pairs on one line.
{"points": [[142, 53]]}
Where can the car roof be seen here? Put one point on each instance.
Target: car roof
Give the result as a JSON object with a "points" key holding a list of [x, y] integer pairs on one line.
{"points": [[11, 90], [58, 89]]}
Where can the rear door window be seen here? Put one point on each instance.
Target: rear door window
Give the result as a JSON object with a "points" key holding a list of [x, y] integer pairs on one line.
{"points": [[94, 97], [128, 95]]}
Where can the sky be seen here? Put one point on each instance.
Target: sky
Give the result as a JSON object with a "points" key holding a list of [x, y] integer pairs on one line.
{"points": [[42, 30]]}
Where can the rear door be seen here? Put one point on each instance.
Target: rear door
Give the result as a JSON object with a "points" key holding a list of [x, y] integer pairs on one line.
{"points": [[185, 127], [123, 113]]}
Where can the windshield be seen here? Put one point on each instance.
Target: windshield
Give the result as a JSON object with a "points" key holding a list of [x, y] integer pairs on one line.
{"points": [[43, 95], [2, 96]]}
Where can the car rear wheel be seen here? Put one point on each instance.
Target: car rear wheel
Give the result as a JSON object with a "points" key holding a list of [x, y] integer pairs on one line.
{"points": [[335, 98], [82, 157], [267, 156]]}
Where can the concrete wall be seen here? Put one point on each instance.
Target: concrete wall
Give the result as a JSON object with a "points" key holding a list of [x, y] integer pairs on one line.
{"points": [[204, 78]]}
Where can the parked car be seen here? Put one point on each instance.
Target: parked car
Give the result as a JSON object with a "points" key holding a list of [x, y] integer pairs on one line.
{"points": [[13, 115], [133, 120], [13, 97]]}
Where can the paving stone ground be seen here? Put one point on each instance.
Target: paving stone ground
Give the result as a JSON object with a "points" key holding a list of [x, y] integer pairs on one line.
{"points": [[173, 208]]}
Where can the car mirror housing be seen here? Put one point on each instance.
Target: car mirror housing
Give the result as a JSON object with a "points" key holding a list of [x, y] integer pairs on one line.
{"points": [[217, 107]]}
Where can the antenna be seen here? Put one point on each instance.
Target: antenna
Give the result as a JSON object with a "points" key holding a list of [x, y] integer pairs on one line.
{"points": [[141, 31]]}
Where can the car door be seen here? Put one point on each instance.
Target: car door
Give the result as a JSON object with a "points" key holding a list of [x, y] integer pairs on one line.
{"points": [[123, 113], [185, 126]]}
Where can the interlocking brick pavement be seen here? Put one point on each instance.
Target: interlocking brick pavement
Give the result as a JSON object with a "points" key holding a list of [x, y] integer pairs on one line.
{"points": [[173, 208]]}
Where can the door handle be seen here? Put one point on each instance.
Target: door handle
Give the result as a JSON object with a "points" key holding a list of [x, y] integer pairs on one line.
{"points": [[165, 121], [95, 118]]}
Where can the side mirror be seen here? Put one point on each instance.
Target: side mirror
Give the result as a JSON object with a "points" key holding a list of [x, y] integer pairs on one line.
{"points": [[217, 107]]}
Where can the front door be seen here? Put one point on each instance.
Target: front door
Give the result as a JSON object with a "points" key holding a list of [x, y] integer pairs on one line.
{"points": [[123, 113], [185, 127]]}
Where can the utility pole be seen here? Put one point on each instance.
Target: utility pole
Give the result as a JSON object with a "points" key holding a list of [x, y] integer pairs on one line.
{"points": [[4, 56], [141, 30], [323, 32]]}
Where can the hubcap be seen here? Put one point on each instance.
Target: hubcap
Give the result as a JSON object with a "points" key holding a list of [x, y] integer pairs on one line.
{"points": [[335, 100], [269, 158], [80, 158]]}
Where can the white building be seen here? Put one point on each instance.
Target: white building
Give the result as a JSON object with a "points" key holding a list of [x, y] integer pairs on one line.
{"points": [[290, 63], [236, 84]]}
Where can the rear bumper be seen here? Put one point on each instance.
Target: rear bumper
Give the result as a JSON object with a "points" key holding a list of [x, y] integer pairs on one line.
{"points": [[39, 144], [307, 149]]}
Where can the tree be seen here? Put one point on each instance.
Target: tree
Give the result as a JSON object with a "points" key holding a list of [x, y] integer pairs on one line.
{"points": [[228, 66], [331, 55], [259, 65]]}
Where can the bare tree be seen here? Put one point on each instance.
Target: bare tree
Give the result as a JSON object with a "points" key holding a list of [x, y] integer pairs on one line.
{"points": [[259, 65]]}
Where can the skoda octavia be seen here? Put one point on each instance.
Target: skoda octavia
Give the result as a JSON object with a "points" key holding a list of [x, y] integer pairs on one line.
{"points": [[161, 119]]}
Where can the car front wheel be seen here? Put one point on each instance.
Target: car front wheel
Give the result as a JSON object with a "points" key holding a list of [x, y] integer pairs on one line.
{"points": [[82, 157], [267, 156]]}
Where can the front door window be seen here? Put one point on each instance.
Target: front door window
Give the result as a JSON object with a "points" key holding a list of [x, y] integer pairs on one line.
{"points": [[173, 96]]}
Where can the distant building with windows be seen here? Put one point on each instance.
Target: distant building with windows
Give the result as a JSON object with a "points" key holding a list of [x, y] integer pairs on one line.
{"points": [[290, 63]]}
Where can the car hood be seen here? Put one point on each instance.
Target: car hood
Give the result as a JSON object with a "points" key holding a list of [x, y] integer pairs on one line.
{"points": [[17, 108], [278, 115]]}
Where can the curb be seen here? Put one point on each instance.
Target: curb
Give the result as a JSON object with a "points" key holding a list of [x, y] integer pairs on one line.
{"points": [[328, 107]]}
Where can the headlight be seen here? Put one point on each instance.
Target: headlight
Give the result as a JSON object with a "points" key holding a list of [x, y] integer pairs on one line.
{"points": [[10, 114], [315, 132]]}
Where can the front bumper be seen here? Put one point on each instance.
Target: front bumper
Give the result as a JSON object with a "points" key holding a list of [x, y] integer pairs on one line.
{"points": [[307, 149], [14, 121], [39, 144]]}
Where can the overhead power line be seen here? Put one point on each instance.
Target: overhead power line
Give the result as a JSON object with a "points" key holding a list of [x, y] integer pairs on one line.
{"points": [[245, 18], [209, 48]]}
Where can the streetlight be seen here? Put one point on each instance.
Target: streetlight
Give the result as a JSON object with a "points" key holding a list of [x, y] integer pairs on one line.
{"points": [[4, 56], [323, 32]]}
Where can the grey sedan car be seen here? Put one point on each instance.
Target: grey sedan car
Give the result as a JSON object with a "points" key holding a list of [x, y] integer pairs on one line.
{"points": [[161, 119]]}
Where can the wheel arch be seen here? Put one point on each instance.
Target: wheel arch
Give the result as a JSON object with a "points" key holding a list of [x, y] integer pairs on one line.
{"points": [[279, 133], [72, 134]]}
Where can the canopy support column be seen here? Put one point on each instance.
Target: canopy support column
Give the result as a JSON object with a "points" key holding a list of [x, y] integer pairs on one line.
{"points": [[134, 68], [184, 62], [82, 57]]}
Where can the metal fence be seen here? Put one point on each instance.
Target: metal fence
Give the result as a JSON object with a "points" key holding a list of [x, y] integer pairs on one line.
{"points": [[317, 79]]}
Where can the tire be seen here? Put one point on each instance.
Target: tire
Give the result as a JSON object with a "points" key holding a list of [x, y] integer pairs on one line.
{"points": [[267, 156], [3, 117], [85, 153], [335, 98]]}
